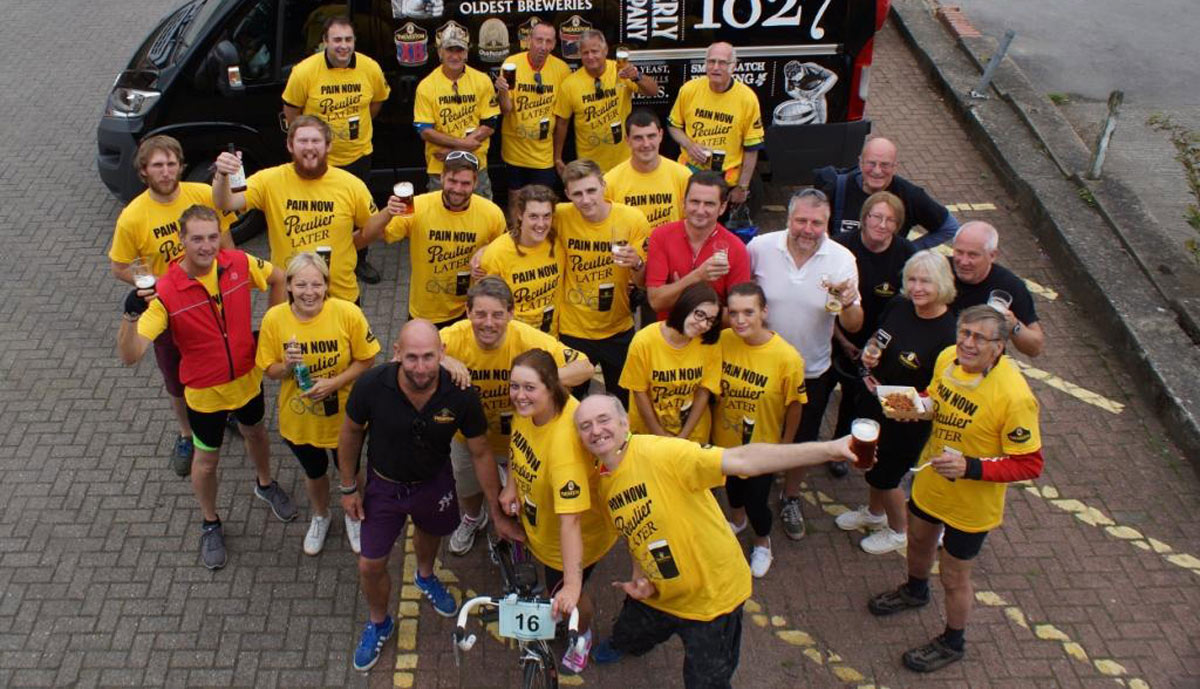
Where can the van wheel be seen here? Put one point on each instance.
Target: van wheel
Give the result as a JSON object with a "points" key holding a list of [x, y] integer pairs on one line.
{"points": [[249, 224]]}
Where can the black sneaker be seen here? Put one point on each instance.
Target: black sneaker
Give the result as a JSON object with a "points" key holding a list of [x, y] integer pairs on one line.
{"points": [[367, 272], [181, 458], [895, 601], [838, 469], [934, 655], [212, 546]]}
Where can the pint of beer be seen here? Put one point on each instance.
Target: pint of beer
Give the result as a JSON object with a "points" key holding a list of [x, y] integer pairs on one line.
{"points": [[615, 128], [462, 283], [509, 70], [352, 127], [604, 300], [404, 190], [864, 435], [326, 254], [543, 128], [622, 58], [717, 160]]}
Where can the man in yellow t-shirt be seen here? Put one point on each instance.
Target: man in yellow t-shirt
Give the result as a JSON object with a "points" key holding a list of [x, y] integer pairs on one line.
{"points": [[716, 114], [205, 300], [605, 248], [447, 232], [309, 205], [346, 89], [599, 96], [483, 348], [689, 576], [647, 181], [985, 435], [528, 125], [455, 110], [148, 231]]}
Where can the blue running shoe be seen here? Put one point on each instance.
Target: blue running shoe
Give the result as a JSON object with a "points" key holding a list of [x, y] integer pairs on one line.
{"points": [[604, 653], [371, 643], [443, 602]]}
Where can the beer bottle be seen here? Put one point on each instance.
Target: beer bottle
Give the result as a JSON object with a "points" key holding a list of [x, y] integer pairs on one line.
{"points": [[237, 181]]}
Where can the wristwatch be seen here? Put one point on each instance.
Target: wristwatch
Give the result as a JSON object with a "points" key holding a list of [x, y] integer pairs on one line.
{"points": [[1016, 328], [348, 490]]}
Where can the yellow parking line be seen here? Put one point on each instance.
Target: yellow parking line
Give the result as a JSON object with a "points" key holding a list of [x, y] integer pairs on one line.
{"points": [[1094, 517], [808, 645], [1045, 632], [408, 614], [1081, 394], [956, 207]]}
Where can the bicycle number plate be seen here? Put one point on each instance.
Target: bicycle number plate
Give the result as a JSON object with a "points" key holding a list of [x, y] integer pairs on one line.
{"points": [[525, 620]]}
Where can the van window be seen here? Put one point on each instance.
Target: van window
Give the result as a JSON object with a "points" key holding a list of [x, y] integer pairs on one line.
{"points": [[303, 25], [253, 33]]}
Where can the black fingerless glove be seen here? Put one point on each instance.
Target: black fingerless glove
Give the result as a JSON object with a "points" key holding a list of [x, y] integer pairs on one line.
{"points": [[135, 305]]}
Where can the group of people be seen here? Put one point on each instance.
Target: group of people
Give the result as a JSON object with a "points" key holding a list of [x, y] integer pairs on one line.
{"points": [[472, 424]]}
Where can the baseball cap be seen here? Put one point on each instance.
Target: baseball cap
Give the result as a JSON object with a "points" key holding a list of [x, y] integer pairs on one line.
{"points": [[454, 37]]}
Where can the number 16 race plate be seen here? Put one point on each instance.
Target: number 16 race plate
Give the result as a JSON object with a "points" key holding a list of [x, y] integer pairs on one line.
{"points": [[526, 620]]}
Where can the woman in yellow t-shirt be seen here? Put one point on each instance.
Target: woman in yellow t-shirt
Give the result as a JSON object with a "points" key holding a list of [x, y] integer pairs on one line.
{"points": [[552, 484], [762, 393], [332, 339], [525, 258], [673, 368]]}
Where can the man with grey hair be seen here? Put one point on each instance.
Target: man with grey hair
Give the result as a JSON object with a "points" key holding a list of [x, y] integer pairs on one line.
{"points": [[480, 351], [717, 122], [985, 435], [877, 172], [980, 280], [689, 576]]}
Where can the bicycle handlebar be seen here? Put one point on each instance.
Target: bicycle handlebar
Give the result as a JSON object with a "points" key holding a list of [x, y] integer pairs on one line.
{"points": [[467, 641]]}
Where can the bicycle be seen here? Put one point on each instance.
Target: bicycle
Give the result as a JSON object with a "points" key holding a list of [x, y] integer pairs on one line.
{"points": [[523, 614]]}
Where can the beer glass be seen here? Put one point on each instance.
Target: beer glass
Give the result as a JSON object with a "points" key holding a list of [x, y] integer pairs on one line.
{"points": [[404, 190], [864, 435]]}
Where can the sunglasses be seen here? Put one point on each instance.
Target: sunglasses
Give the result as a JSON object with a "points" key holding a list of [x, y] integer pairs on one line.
{"points": [[464, 155], [599, 85], [537, 79]]}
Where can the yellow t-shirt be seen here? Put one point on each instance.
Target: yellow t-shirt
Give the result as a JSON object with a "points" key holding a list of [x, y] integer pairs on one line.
{"points": [[439, 106], [670, 377], [150, 230], [441, 243], [336, 338], [658, 194], [729, 121], [534, 276], [490, 368], [303, 214], [226, 396], [757, 385], [997, 417], [556, 475], [524, 140], [335, 94], [595, 301], [599, 121], [660, 498]]}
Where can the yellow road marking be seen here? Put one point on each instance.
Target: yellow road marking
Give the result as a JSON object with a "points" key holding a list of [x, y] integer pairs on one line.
{"points": [[956, 207], [808, 645], [1079, 393], [1012, 613], [408, 614], [1094, 517]]}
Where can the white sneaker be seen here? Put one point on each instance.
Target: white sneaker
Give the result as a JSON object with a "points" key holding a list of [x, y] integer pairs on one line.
{"points": [[760, 561], [464, 536], [859, 518], [354, 534], [884, 541], [314, 540]]}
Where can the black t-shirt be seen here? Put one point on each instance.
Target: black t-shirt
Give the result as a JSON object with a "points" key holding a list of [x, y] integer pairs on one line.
{"points": [[919, 207], [915, 345], [406, 444], [878, 277], [998, 278]]}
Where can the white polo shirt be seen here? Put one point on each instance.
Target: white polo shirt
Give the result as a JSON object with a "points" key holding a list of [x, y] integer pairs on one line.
{"points": [[795, 296]]}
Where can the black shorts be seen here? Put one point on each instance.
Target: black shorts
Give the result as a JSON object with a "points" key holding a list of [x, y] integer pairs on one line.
{"points": [[962, 545], [315, 460], [710, 649], [208, 428], [554, 577], [900, 444]]}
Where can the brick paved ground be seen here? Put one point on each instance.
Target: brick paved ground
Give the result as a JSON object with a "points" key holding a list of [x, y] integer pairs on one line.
{"points": [[98, 563]]}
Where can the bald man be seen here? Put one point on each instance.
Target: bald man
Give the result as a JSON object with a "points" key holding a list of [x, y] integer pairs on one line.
{"points": [[848, 191], [411, 409], [977, 279]]}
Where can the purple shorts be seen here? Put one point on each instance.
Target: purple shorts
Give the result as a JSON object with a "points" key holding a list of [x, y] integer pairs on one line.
{"points": [[432, 504], [167, 355]]}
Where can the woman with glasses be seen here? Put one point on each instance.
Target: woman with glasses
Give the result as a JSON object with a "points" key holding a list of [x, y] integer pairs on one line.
{"points": [[317, 346], [552, 483], [913, 329], [985, 435], [762, 395], [673, 369], [880, 256], [526, 259]]}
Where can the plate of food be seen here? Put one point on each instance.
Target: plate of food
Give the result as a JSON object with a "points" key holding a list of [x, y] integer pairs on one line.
{"points": [[903, 403]]}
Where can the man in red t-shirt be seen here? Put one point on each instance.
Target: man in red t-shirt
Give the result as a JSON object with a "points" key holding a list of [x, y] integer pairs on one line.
{"points": [[697, 248]]}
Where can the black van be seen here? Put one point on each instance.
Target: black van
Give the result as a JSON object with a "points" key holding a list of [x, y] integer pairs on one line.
{"points": [[808, 60]]}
